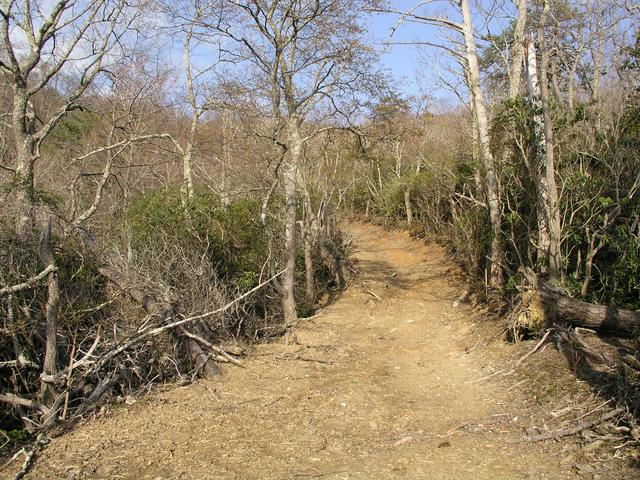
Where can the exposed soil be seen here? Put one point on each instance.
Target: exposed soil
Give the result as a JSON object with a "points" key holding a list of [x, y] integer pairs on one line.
{"points": [[384, 383]]}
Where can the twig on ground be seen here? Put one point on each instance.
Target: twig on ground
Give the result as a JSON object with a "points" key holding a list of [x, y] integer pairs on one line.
{"points": [[594, 410], [566, 432], [370, 292], [212, 347], [30, 456], [304, 359], [491, 375], [535, 349], [12, 399], [516, 384]]}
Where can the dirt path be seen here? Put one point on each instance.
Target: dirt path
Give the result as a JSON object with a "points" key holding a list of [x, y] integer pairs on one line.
{"points": [[378, 388]]}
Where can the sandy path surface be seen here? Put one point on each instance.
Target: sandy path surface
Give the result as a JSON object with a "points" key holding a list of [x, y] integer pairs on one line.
{"points": [[380, 386]]}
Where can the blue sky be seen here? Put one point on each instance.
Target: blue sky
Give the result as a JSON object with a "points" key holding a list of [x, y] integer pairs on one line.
{"points": [[417, 69], [403, 61]]}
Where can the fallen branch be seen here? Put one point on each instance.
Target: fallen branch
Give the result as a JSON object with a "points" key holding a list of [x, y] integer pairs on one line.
{"points": [[567, 432], [178, 323], [535, 349], [12, 399], [22, 361], [29, 457], [84, 361], [312, 360], [631, 361], [212, 347], [29, 284], [370, 292], [579, 344]]}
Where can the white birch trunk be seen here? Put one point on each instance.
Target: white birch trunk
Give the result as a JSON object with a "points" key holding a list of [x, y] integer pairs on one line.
{"points": [[517, 49], [547, 195], [492, 187]]}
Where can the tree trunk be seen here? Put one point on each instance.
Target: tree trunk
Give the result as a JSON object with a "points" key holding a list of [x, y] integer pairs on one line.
{"points": [[588, 266], [310, 288], [549, 235], [25, 204], [597, 53], [553, 200], [515, 74], [50, 367], [290, 187], [407, 205], [187, 170], [586, 282], [26, 155], [517, 48], [538, 168], [475, 145], [226, 160], [492, 187]]}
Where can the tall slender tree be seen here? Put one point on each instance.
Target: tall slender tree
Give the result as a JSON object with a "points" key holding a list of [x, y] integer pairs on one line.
{"points": [[306, 58]]}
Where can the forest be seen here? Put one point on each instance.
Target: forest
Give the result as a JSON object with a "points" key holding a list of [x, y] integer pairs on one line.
{"points": [[175, 178]]}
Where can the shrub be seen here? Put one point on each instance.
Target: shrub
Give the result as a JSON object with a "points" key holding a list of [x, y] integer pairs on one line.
{"points": [[231, 236]]}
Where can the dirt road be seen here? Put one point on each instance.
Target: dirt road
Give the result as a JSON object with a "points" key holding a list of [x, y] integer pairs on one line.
{"points": [[380, 386]]}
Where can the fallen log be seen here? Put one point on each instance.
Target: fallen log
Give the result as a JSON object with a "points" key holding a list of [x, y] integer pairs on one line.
{"points": [[561, 309], [222, 353], [589, 315]]}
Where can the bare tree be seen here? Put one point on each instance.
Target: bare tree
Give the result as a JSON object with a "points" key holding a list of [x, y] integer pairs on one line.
{"points": [[492, 187], [186, 20], [44, 41], [549, 235], [306, 58], [472, 72]]}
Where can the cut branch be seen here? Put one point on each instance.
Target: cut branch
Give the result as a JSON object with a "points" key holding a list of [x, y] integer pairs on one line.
{"points": [[211, 346], [562, 309]]}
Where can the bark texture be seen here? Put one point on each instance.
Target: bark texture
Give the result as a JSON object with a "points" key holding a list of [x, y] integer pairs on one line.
{"points": [[50, 367], [291, 189], [559, 308]]}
